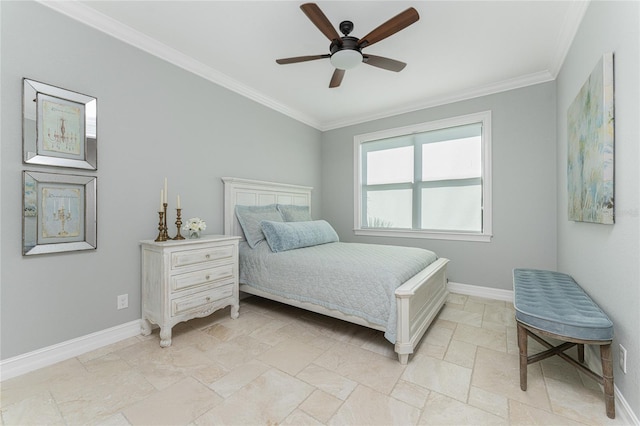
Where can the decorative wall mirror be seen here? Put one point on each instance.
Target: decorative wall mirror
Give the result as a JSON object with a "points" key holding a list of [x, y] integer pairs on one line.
{"points": [[58, 127], [58, 213]]}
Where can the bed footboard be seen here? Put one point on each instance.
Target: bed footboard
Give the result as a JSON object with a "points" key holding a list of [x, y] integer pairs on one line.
{"points": [[418, 302]]}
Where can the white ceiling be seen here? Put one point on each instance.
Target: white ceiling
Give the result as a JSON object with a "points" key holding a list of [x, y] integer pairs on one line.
{"points": [[457, 50]]}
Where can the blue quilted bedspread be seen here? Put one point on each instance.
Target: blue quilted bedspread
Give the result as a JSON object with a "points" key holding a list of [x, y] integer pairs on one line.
{"points": [[355, 279]]}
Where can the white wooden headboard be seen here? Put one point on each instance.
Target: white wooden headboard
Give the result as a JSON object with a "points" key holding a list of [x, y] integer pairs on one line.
{"points": [[246, 192]]}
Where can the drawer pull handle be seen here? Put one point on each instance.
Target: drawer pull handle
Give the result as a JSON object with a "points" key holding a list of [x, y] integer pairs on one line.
{"points": [[208, 256], [208, 277], [208, 299]]}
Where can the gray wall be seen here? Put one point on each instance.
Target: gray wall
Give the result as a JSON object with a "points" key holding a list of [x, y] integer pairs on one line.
{"points": [[154, 120], [605, 259], [524, 185]]}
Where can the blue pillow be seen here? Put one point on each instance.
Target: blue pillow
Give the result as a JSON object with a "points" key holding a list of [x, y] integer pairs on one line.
{"points": [[293, 213], [250, 218], [282, 236]]}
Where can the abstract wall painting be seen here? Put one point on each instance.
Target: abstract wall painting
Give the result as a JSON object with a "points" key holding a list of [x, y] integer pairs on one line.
{"points": [[590, 125]]}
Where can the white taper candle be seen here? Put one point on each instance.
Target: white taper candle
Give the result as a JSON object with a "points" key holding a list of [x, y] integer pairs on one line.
{"points": [[166, 193]]}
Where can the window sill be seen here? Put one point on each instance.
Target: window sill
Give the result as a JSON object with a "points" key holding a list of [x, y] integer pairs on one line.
{"points": [[430, 235]]}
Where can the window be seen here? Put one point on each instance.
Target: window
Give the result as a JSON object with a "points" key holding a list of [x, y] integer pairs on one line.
{"points": [[429, 180]]}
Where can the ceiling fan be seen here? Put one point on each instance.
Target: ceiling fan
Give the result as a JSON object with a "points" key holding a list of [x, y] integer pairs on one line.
{"points": [[346, 51]]}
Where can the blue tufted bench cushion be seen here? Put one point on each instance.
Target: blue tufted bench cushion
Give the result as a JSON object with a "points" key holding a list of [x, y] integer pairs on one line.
{"points": [[554, 302]]}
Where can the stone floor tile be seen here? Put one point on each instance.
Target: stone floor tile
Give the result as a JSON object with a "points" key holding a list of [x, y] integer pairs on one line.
{"points": [[179, 404], [489, 401], [491, 339], [290, 356], [410, 393], [499, 373], [442, 410], [321, 405], [362, 366], [366, 406], [439, 376], [38, 409], [328, 381], [461, 353], [269, 399], [238, 377], [523, 414]]}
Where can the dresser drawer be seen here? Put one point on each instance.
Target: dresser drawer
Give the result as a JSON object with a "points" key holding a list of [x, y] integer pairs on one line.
{"points": [[188, 280], [192, 257], [198, 301]]}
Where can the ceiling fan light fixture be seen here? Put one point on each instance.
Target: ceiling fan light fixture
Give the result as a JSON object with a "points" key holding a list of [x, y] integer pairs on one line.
{"points": [[346, 59]]}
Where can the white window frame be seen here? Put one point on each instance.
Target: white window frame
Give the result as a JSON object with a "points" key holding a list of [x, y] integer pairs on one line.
{"points": [[483, 236]]}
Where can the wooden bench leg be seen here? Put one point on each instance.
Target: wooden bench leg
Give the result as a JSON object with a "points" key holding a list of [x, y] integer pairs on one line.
{"points": [[607, 377], [581, 352], [522, 349]]}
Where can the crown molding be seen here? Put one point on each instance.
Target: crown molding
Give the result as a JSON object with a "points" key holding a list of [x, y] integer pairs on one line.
{"points": [[490, 89], [124, 33], [92, 18]]}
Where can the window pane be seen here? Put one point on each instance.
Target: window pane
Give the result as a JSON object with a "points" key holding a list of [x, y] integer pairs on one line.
{"points": [[390, 166], [453, 208], [389, 209], [428, 180], [453, 159]]}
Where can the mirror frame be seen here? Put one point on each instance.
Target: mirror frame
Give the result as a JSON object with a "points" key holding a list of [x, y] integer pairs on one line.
{"points": [[41, 194], [79, 152]]}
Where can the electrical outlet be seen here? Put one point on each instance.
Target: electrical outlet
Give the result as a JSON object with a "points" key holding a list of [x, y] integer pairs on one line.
{"points": [[123, 301], [622, 359]]}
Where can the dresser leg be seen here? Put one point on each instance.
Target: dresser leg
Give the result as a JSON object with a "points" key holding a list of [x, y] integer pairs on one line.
{"points": [[165, 337], [235, 311], [145, 327]]}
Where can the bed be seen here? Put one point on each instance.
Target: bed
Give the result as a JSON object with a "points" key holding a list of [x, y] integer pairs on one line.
{"points": [[411, 304]]}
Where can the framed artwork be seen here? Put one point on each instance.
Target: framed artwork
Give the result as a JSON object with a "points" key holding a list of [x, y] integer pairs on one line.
{"points": [[590, 126], [59, 213], [58, 127]]}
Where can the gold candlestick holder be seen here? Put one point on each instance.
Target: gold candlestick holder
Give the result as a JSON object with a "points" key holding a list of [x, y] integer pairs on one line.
{"points": [[178, 224], [162, 233], [165, 233]]}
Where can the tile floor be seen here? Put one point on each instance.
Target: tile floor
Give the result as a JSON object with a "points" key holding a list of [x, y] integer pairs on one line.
{"points": [[278, 365]]}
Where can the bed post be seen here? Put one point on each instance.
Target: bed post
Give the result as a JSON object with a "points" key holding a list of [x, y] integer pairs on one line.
{"points": [[418, 302]]}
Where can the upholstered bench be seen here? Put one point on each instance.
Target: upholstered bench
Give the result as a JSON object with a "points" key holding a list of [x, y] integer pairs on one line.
{"points": [[552, 304]]}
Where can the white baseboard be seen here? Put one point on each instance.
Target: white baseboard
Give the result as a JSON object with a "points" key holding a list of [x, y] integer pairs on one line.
{"points": [[21, 364], [484, 292]]}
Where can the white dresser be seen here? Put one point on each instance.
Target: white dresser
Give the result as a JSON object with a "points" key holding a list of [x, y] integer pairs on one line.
{"points": [[186, 279]]}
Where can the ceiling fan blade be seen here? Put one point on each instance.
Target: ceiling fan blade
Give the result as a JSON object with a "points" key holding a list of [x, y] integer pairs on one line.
{"points": [[297, 59], [336, 79], [321, 21], [384, 63], [389, 28]]}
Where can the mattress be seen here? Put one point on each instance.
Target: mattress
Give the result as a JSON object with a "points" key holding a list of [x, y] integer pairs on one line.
{"points": [[355, 279]]}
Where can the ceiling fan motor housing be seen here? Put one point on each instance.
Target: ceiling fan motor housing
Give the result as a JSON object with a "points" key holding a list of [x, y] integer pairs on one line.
{"points": [[345, 43], [346, 27]]}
